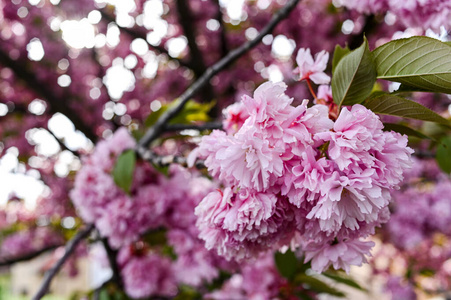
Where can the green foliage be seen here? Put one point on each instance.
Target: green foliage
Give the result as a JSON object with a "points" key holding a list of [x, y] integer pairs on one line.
{"points": [[191, 112], [354, 76], [403, 129], [339, 53], [389, 104], [314, 284], [419, 62], [443, 154], [123, 170], [343, 279], [286, 263]]}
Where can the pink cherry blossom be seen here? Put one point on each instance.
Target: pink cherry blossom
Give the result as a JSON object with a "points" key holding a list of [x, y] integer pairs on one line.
{"points": [[312, 69]]}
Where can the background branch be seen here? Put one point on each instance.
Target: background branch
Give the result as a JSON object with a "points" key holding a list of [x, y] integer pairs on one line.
{"points": [[222, 29], [112, 255], [56, 103], [70, 248], [160, 125], [29, 256]]}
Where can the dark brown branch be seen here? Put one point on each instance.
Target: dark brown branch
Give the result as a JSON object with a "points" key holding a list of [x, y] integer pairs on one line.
{"points": [[56, 104], [205, 126], [70, 248], [222, 30], [112, 255], [196, 61], [138, 34], [233, 55], [186, 21], [29, 256]]}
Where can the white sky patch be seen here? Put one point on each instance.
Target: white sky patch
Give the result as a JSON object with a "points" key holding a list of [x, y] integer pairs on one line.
{"points": [[347, 27], [37, 107], [274, 73], [151, 67], [94, 17], [112, 35], [64, 80], [282, 47], [130, 61], [78, 34], [14, 180], [234, 8], [3, 109], [64, 129], [35, 50], [139, 46], [176, 46], [118, 79], [46, 145]]}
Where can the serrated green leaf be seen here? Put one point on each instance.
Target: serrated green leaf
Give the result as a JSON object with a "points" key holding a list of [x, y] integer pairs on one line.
{"points": [[123, 170], [418, 61], [286, 263], [318, 286], [354, 77], [389, 104], [339, 53], [344, 279], [403, 129], [443, 154]]}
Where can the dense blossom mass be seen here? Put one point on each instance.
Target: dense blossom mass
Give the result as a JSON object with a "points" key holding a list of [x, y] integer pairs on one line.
{"points": [[291, 173], [81, 82]]}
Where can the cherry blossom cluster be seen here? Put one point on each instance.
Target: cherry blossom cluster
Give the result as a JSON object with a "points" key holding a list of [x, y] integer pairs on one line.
{"points": [[424, 14], [156, 202], [291, 175]]}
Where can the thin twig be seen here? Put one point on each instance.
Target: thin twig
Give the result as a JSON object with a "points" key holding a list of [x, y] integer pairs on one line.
{"points": [[160, 125], [70, 248], [28, 256], [205, 126]]}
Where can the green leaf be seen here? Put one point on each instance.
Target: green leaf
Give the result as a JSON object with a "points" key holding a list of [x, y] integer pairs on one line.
{"points": [[339, 53], [443, 154], [123, 170], [404, 88], [389, 104], [344, 279], [403, 129], [420, 62], [354, 77], [154, 116], [318, 286], [286, 263]]}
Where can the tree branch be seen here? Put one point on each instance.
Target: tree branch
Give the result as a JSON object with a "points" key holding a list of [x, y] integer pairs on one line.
{"points": [[160, 125], [112, 255], [70, 248], [196, 60], [29, 256], [166, 160], [56, 103], [205, 126], [221, 29]]}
